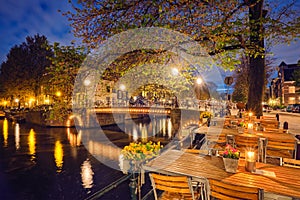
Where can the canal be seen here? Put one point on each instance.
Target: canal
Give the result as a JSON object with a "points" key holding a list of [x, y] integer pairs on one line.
{"points": [[52, 163]]}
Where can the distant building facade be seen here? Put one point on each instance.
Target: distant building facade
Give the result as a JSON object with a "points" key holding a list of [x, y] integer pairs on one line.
{"points": [[283, 86]]}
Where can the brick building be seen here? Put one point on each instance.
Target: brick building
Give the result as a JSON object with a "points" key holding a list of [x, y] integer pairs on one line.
{"points": [[283, 86]]}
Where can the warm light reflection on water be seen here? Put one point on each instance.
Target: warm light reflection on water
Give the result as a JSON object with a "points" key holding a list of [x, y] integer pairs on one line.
{"points": [[58, 156], [31, 143], [5, 132], [169, 128], [135, 136], [74, 138], [87, 174], [144, 133], [143, 130], [17, 136]]}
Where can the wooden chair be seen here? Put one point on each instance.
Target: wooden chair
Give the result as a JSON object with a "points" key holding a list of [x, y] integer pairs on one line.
{"points": [[225, 191], [246, 143], [281, 148], [291, 162], [174, 187]]}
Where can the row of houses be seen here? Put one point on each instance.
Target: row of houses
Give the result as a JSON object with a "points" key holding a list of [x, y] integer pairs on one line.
{"points": [[283, 88]]}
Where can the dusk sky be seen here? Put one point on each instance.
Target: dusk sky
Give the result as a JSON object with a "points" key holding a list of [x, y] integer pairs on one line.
{"points": [[21, 18]]}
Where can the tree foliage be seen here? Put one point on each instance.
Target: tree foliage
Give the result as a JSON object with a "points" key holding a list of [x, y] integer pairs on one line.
{"points": [[240, 75], [23, 71], [221, 26], [225, 29]]}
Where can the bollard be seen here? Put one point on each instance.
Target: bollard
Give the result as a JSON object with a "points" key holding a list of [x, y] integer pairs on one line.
{"points": [[285, 127], [208, 122], [277, 117]]}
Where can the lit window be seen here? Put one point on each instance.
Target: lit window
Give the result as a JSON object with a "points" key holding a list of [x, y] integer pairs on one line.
{"points": [[292, 89], [292, 100]]}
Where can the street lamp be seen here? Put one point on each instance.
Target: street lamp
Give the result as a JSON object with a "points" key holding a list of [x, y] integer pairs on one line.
{"points": [[18, 102], [86, 83], [199, 81], [122, 87], [175, 71], [58, 94]]}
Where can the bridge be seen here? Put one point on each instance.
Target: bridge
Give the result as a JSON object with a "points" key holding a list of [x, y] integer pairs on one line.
{"points": [[105, 116], [135, 110], [115, 115]]}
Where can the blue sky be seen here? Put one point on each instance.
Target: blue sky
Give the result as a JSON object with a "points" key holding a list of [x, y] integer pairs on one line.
{"points": [[21, 18]]}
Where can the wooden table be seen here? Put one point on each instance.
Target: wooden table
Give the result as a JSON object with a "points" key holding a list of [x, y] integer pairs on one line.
{"points": [[285, 182]]}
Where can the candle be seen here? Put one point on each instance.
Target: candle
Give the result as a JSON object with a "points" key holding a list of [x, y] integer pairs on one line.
{"points": [[250, 156], [250, 128], [250, 161]]}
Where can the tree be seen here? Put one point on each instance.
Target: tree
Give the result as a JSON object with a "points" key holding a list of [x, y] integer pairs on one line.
{"points": [[241, 86], [22, 72], [241, 78], [62, 72], [226, 29]]}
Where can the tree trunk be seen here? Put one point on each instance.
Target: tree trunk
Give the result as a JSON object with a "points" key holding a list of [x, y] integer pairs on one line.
{"points": [[257, 63]]}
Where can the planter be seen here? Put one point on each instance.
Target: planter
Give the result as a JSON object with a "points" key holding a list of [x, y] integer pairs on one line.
{"points": [[230, 164]]}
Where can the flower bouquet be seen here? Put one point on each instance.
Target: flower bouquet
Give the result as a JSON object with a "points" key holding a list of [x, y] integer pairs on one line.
{"points": [[205, 114], [134, 154], [231, 159]]}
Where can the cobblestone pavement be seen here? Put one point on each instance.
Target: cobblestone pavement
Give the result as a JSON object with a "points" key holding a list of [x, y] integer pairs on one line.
{"points": [[293, 120]]}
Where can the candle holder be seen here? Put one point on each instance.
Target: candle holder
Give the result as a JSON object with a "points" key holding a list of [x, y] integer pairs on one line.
{"points": [[250, 128], [250, 164]]}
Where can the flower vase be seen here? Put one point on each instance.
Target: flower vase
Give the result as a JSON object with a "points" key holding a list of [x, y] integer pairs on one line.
{"points": [[230, 164]]}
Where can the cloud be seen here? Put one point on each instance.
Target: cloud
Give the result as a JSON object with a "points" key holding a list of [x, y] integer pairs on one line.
{"points": [[19, 19]]}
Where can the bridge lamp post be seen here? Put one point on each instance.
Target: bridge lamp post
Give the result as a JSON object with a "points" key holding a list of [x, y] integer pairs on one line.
{"points": [[199, 82], [122, 93], [86, 83], [18, 102]]}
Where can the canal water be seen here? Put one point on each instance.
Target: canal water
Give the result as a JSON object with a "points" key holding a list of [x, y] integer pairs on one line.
{"points": [[52, 163]]}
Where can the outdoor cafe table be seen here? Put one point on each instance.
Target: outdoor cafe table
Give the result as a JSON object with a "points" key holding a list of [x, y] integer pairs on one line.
{"points": [[274, 179], [278, 134]]}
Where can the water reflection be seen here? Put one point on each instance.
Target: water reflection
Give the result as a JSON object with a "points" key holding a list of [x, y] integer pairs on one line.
{"points": [[135, 135], [58, 156], [5, 132], [169, 128], [155, 127], [87, 174], [74, 138], [32, 143], [17, 136]]}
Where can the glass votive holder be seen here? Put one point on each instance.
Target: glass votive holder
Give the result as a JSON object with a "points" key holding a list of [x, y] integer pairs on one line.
{"points": [[250, 164], [250, 128]]}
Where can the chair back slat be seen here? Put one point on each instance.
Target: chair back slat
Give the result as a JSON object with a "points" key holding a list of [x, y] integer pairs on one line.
{"points": [[173, 184], [287, 162], [281, 145], [246, 142], [223, 190], [281, 148]]}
